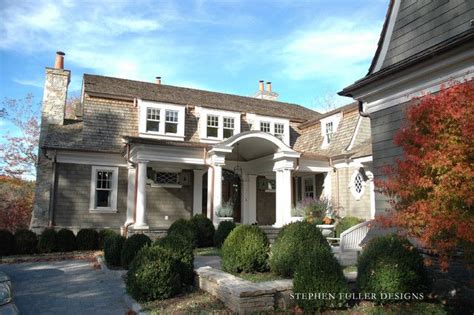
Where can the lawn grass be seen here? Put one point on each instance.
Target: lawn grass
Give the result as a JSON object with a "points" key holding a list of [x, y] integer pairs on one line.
{"points": [[259, 277], [207, 251], [195, 302]]}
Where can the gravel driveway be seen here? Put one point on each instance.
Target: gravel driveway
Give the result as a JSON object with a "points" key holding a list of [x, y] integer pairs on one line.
{"points": [[65, 287]]}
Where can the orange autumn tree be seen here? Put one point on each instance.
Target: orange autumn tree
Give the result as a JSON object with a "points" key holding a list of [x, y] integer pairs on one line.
{"points": [[431, 188]]}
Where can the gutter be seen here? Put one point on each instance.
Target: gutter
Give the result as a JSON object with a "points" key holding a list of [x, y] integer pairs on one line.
{"points": [[361, 110]]}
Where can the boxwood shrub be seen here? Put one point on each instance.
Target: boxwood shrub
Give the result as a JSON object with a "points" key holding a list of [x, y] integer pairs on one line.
{"points": [[6, 243], [185, 228], [346, 223], [25, 242], [47, 242], [86, 239], [153, 274], [391, 264], [182, 250], [245, 250], [113, 249], [223, 230], [204, 229], [130, 248], [103, 234], [292, 244], [319, 272], [66, 240]]}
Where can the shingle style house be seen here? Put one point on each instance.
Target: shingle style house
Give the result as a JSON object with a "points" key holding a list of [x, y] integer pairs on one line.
{"points": [[141, 155], [423, 45]]}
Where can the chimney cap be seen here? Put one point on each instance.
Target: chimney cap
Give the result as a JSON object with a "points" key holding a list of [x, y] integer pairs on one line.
{"points": [[269, 82], [60, 53], [261, 81], [157, 77]]}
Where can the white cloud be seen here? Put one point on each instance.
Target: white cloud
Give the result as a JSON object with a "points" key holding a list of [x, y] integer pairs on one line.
{"points": [[27, 82]]}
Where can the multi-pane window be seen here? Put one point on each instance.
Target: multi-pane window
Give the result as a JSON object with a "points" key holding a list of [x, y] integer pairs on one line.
{"points": [[309, 187], [212, 126], [152, 119], [171, 121], [329, 132], [279, 130], [358, 182], [103, 189], [167, 178], [265, 126], [103, 195], [228, 127]]}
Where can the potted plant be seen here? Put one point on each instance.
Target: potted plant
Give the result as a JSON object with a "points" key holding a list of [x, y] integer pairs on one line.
{"points": [[225, 212]]}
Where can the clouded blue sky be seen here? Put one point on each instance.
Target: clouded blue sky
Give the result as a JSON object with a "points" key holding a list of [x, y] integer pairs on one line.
{"points": [[308, 49]]}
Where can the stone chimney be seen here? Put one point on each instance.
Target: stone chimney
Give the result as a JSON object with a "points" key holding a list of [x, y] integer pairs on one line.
{"points": [[55, 92], [267, 94]]}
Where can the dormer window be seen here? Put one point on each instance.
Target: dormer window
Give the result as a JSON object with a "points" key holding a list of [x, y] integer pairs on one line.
{"points": [[212, 126], [265, 126], [279, 131], [161, 120], [216, 125], [329, 131]]}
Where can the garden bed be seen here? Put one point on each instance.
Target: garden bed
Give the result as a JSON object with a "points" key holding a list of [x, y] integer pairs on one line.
{"points": [[82, 255]]}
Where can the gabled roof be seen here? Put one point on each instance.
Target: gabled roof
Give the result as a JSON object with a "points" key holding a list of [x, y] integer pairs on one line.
{"points": [[122, 88]]}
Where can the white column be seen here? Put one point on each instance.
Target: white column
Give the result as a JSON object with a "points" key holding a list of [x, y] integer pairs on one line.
{"points": [[141, 196], [370, 175], [327, 186], [252, 203], [197, 191], [283, 170], [217, 195], [210, 173], [130, 194]]}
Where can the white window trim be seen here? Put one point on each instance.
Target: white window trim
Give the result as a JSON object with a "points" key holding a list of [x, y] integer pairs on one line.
{"points": [[335, 119], [255, 120], [202, 113], [113, 197], [161, 134], [352, 187], [168, 185]]}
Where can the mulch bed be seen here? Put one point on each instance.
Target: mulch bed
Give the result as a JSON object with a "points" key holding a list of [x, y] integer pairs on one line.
{"points": [[76, 255]]}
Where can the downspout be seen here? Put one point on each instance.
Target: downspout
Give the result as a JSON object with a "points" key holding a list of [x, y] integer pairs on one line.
{"points": [[361, 110], [52, 198]]}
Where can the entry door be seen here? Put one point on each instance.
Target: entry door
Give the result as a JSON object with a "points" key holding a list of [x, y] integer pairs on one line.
{"points": [[308, 187]]}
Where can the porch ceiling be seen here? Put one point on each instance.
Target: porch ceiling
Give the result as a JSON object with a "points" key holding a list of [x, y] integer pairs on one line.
{"points": [[251, 149]]}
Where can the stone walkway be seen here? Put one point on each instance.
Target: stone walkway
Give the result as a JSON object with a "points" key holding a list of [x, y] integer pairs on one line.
{"points": [[65, 287]]}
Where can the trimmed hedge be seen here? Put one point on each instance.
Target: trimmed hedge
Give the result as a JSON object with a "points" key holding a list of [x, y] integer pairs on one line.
{"points": [[319, 272], [245, 250], [113, 249], [185, 228], [346, 223], [66, 240], [182, 250], [103, 234], [6, 243], [391, 264], [205, 230], [48, 241], [86, 239], [223, 230], [153, 274], [292, 245], [130, 248], [25, 242]]}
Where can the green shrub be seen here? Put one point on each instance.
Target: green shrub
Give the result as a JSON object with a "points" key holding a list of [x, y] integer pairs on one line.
{"points": [[103, 234], [47, 242], [25, 242], [182, 250], [391, 264], [153, 274], [6, 243], [185, 228], [113, 249], [223, 230], [66, 240], [319, 272], [205, 230], [245, 250], [86, 239], [292, 244], [346, 223], [130, 248]]}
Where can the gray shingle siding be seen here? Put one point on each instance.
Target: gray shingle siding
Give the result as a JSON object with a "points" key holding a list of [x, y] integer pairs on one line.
{"points": [[423, 24]]}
